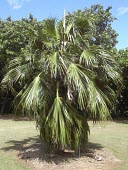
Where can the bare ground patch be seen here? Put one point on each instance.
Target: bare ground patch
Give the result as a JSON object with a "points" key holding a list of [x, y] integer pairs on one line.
{"points": [[95, 157]]}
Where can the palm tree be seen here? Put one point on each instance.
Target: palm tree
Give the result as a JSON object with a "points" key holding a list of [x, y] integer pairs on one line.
{"points": [[63, 81]]}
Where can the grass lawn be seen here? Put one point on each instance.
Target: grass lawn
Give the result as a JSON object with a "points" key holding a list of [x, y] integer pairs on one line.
{"points": [[113, 136], [14, 134]]}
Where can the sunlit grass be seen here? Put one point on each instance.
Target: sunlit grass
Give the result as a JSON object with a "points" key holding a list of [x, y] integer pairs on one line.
{"points": [[13, 134], [113, 136], [10, 132]]}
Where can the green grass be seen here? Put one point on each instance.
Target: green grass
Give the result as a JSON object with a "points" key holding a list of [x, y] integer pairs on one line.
{"points": [[114, 137], [13, 134]]}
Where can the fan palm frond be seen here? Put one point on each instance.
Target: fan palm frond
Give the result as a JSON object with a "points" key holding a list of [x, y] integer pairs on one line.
{"points": [[62, 125], [17, 74], [35, 96]]}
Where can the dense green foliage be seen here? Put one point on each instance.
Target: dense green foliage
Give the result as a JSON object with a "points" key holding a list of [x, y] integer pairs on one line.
{"points": [[122, 104], [100, 31]]}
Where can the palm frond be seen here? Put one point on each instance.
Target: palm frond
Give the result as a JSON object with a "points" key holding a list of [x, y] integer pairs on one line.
{"points": [[88, 58], [97, 57], [35, 96], [79, 79], [56, 63], [17, 74], [15, 62], [62, 125], [50, 28], [90, 97], [98, 103]]}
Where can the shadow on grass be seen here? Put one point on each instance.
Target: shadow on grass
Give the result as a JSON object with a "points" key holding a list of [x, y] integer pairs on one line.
{"points": [[15, 118], [33, 148], [6, 117], [121, 121]]}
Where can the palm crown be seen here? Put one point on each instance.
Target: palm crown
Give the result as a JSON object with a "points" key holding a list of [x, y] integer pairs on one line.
{"points": [[63, 81]]}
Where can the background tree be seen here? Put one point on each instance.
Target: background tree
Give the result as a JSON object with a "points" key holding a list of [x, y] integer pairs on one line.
{"points": [[122, 104], [100, 19]]}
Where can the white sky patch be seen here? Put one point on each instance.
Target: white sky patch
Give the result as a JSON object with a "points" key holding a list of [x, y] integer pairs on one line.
{"points": [[122, 10], [16, 4]]}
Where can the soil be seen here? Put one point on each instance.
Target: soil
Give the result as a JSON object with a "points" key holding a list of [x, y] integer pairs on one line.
{"points": [[93, 158]]}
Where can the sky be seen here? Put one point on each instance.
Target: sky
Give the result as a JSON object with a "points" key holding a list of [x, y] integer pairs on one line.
{"points": [[41, 9]]}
